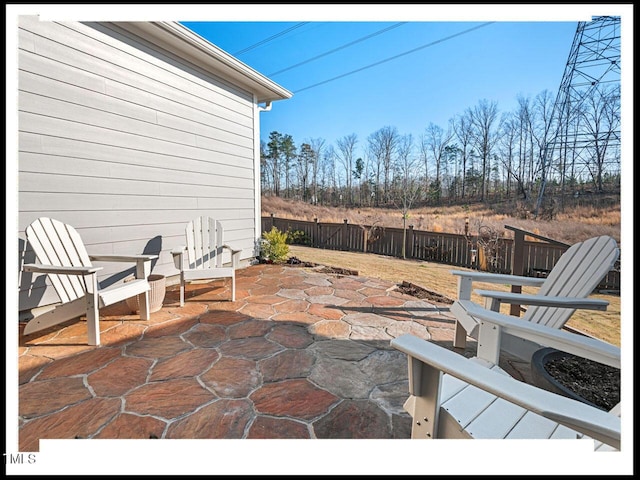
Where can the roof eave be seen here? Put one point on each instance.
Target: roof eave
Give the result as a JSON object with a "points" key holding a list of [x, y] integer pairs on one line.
{"points": [[178, 39]]}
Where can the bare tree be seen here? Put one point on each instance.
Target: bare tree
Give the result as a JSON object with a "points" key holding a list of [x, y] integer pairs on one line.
{"points": [[436, 142], [407, 186], [526, 162], [374, 150], [317, 145], [382, 144], [540, 125], [304, 164], [424, 157], [462, 128], [507, 147], [601, 121], [333, 177], [483, 117], [345, 155]]}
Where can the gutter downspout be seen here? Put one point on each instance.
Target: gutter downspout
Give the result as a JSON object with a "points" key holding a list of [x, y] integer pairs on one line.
{"points": [[266, 108], [256, 169]]}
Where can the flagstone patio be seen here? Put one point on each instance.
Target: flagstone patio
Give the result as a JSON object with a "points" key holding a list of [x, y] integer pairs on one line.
{"points": [[300, 354]]}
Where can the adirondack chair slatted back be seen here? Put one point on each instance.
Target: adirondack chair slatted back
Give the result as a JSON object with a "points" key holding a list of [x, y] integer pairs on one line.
{"points": [[577, 273], [58, 244], [204, 243]]}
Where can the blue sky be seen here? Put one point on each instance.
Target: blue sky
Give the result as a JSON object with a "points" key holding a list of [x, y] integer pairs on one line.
{"points": [[357, 77]]}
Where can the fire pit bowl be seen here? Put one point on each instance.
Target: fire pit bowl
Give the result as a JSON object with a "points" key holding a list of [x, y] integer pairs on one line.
{"points": [[576, 377]]}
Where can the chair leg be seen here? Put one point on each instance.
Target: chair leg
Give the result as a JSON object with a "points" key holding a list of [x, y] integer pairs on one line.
{"points": [[182, 290], [143, 302], [233, 287], [93, 318], [460, 336]]}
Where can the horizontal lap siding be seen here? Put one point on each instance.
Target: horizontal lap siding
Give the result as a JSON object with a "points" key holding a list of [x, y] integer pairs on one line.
{"points": [[127, 144]]}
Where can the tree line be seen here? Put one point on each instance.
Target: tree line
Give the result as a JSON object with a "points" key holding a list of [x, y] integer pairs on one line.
{"points": [[530, 154]]}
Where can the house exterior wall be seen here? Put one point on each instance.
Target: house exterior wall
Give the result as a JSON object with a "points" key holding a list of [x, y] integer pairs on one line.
{"points": [[127, 142]]}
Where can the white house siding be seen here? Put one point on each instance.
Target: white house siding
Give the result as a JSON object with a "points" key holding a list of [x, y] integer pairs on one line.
{"points": [[127, 143]]}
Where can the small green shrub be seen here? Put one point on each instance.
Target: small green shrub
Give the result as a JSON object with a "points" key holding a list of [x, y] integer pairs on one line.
{"points": [[298, 237], [273, 246]]}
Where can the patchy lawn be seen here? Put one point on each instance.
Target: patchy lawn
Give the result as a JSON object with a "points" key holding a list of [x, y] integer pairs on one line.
{"points": [[436, 277]]}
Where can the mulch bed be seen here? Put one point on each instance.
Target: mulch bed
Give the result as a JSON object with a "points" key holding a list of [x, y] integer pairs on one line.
{"points": [[293, 261], [296, 262], [422, 293]]}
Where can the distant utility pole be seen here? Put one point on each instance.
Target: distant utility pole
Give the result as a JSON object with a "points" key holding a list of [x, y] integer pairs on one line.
{"points": [[586, 113]]}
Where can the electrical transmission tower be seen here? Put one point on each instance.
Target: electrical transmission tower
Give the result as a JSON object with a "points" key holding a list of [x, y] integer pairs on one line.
{"points": [[586, 113]]}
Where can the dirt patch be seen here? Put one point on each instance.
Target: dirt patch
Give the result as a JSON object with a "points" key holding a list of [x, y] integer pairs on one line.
{"points": [[293, 261], [337, 271], [422, 293]]}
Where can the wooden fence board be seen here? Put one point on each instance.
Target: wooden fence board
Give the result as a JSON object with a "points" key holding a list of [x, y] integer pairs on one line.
{"points": [[448, 248]]}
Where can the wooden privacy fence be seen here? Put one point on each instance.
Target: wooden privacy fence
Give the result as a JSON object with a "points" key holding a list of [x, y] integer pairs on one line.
{"points": [[531, 258]]}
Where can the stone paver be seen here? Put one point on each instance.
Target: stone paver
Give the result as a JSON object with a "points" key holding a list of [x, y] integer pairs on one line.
{"points": [[299, 354], [222, 419], [296, 398], [169, 399], [287, 364], [354, 419], [232, 377], [269, 427]]}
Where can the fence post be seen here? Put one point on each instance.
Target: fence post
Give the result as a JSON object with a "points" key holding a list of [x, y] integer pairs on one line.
{"points": [[517, 266], [316, 234], [365, 238], [408, 246], [345, 237], [272, 220]]}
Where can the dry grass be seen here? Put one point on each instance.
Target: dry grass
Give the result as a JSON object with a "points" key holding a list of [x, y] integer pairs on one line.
{"points": [[437, 277], [574, 225]]}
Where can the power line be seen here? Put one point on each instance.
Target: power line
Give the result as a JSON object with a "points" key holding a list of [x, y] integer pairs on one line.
{"points": [[337, 49], [393, 58], [298, 25]]}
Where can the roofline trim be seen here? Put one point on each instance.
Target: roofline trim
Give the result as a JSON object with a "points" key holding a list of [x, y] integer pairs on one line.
{"points": [[179, 39]]}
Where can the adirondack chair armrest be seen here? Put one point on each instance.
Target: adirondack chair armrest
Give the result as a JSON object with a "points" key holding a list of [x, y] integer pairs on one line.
{"points": [[591, 421], [494, 299], [486, 277], [494, 324], [233, 250], [122, 258], [58, 270], [142, 261], [178, 253], [235, 255]]}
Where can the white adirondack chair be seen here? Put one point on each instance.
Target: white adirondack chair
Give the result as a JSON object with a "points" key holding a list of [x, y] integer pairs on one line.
{"points": [[452, 396], [574, 277], [204, 255], [62, 256]]}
